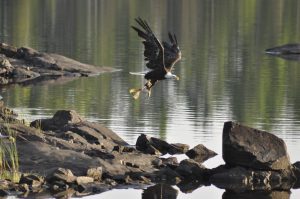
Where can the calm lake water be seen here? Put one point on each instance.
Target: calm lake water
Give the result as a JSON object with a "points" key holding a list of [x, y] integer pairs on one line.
{"points": [[224, 72]]}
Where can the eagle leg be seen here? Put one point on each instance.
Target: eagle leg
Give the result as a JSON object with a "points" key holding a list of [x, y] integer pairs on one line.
{"points": [[148, 86], [149, 92]]}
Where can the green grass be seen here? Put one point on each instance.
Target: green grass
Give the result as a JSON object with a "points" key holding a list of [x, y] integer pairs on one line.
{"points": [[9, 160]]}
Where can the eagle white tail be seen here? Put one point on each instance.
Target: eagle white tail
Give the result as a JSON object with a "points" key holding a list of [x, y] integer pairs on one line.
{"points": [[138, 73]]}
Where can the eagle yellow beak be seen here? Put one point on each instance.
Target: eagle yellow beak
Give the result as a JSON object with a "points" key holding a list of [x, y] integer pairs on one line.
{"points": [[177, 78]]}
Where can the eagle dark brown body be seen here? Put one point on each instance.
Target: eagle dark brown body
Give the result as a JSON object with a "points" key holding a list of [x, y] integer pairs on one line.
{"points": [[160, 57]]}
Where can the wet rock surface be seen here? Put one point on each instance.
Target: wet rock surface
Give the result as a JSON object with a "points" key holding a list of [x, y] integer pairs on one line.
{"points": [[26, 65], [293, 48], [155, 146], [252, 148], [67, 155], [200, 153]]}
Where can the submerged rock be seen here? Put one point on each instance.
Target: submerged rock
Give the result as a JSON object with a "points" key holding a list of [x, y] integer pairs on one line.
{"points": [[200, 153], [252, 148]]}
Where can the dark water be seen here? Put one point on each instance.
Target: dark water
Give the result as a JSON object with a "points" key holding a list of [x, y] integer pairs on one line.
{"points": [[224, 73]]}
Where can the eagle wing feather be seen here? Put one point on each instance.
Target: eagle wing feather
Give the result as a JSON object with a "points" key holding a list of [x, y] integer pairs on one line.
{"points": [[158, 54]]}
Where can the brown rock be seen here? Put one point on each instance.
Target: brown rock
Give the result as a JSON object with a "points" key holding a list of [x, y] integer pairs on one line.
{"points": [[143, 144], [178, 148], [23, 188], [34, 181], [8, 50], [84, 180], [60, 119], [21, 74], [252, 148], [62, 174], [171, 162], [95, 173], [200, 153], [3, 193], [191, 169], [152, 145], [44, 66]]}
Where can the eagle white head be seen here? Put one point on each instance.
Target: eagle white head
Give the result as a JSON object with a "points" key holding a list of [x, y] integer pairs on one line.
{"points": [[169, 75]]}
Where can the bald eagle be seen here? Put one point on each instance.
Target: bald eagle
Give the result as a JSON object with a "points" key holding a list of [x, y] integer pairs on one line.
{"points": [[160, 57]]}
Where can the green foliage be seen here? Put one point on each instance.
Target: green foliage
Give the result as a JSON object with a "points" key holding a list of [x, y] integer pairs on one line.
{"points": [[9, 160]]}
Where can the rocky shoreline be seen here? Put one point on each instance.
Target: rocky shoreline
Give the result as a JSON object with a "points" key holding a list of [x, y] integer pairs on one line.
{"points": [[25, 65], [67, 155]]}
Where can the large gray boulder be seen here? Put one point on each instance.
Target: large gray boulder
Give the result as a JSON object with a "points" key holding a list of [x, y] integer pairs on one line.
{"points": [[252, 148]]}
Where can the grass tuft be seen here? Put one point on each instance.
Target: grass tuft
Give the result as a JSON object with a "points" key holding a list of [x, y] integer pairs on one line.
{"points": [[9, 160]]}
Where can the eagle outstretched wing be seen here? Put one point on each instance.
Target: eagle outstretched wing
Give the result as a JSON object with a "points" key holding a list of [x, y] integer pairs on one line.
{"points": [[157, 54]]}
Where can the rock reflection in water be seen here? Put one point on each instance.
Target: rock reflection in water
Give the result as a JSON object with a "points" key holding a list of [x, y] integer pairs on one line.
{"points": [[256, 194], [291, 57], [160, 191]]}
